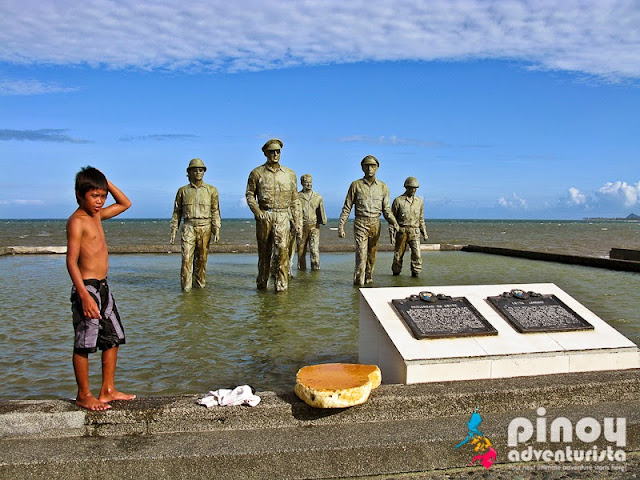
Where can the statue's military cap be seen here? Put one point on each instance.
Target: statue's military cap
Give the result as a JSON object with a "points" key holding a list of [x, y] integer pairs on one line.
{"points": [[369, 160], [273, 144]]}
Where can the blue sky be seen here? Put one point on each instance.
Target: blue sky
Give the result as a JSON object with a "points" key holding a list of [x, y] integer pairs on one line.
{"points": [[501, 109]]}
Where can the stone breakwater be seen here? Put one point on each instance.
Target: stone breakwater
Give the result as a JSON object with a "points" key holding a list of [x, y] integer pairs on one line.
{"points": [[596, 262], [404, 431], [214, 248]]}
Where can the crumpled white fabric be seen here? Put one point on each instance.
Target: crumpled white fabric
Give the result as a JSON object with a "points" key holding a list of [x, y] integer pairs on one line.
{"points": [[242, 395]]}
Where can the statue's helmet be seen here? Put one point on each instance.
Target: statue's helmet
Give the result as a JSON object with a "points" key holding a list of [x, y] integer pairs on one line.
{"points": [[369, 160], [273, 144], [195, 163], [411, 182]]}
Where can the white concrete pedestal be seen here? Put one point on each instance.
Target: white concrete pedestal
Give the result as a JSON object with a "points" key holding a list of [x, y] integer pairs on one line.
{"points": [[386, 341]]}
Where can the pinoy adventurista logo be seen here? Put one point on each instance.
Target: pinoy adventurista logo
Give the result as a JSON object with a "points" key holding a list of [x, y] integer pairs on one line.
{"points": [[482, 446], [600, 440]]}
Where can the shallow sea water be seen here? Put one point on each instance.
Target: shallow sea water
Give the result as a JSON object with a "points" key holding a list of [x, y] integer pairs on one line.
{"points": [[230, 333]]}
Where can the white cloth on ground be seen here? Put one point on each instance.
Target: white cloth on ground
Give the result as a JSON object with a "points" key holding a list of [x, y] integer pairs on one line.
{"points": [[242, 395]]}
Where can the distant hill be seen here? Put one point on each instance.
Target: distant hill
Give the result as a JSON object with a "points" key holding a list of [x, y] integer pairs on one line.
{"points": [[631, 217]]}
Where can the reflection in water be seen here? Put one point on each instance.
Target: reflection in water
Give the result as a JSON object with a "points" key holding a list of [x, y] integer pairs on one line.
{"points": [[230, 333]]}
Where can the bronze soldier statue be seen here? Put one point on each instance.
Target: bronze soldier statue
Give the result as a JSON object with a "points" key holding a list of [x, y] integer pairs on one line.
{"points": [[409, 212], [371, 198], [196, 203], [273, 198], [313, 216]]}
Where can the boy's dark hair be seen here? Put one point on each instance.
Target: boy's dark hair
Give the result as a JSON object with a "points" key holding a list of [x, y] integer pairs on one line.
{"points": [[89, 178]]}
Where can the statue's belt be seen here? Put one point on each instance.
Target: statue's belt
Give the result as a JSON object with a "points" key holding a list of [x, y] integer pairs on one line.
{"points": [[202, 221]]}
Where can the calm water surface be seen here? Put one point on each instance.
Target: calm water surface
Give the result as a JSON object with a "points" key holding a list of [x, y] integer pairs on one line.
{"points": [[230, 333]]}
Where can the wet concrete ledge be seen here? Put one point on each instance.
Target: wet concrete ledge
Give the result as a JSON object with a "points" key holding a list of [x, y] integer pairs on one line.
{"points": [[401, 430], [625, 254], [597, 262], [213, 248]]}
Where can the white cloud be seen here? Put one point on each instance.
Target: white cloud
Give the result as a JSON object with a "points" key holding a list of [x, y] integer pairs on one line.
{"points": [[390, 140], [513, 201], [57, 135], [616, 195], [597, 37], [10, 86], [160, 137], [576, 197], [20, 202], [620, 193]]}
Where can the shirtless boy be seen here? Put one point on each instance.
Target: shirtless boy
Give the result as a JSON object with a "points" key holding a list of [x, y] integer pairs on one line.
{"points": [[95, 317]]}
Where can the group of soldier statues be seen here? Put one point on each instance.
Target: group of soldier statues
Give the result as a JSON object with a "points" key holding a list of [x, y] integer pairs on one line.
{"points": [[286, 218]]}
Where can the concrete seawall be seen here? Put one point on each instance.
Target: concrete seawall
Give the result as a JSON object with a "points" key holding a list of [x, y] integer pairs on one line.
{"points": [[597, 262], [214, 248], [401, 431], [625, 254]]}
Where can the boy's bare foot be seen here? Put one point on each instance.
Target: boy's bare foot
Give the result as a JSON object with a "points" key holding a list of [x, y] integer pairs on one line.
{"points": [[92, 403], [109, 396]]}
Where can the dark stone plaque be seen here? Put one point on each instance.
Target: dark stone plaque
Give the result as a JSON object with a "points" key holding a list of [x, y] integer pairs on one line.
{"points": [[440, 316], [530, 312]]}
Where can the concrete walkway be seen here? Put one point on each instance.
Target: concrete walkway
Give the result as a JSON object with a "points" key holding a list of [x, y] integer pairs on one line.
{"points": [[403, 431]]}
